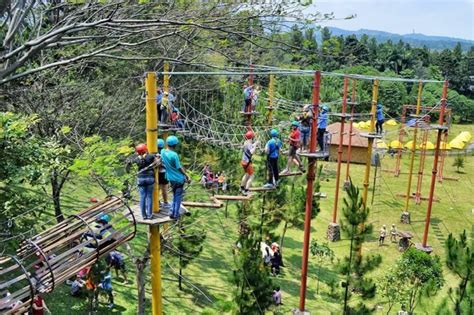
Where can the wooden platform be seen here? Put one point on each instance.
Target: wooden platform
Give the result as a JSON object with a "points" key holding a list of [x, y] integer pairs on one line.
{"points": [[290, 174], [315, 155], [194, 204], [370, 135], [229, 197], [159, 218], [248, 113], [262, 189]]}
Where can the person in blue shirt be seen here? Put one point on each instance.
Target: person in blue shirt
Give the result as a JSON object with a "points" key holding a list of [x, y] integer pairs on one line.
{"points": [[248, 97], [272, 149], [163, 182], [106, 285], [175, 174], [322, 125], [380, 119]]}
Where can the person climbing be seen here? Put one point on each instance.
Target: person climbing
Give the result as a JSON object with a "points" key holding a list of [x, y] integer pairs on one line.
{"points": [[106, 285], [248, 149], [255, 94], [165, 106], [272, 149], [294, 141], [162, 181], [145, 178], [383, 233], [277, 296], [175, 174], [380, 119], [248, 91], [305, 129], [322, 125], [393, 233], [116, 260]]}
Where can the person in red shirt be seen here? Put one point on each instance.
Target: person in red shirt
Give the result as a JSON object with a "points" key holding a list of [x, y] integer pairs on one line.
{"points": [[39, 306], [294, 140]]}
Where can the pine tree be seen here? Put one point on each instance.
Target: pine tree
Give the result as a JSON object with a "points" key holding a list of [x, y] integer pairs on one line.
{"points": [[460, 260], [354, 225]]}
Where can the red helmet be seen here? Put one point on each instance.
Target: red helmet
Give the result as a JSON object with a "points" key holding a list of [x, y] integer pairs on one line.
{"points": [[141, 149], [249, 135]]}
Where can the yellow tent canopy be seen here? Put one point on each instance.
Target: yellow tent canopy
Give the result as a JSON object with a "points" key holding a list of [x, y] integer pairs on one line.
{"points": [[391, 122], [464, 136], [396, 144], [456, 144], [381, 145], [428, 145], [444, 146], [409, 145]]}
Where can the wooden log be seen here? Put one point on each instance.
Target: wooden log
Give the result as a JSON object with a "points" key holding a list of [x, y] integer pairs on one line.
{"points": [[229, 197], [201, 204], [261, 189]]}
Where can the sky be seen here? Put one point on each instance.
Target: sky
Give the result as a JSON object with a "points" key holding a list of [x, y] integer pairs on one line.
{"points": [[453, 18]]}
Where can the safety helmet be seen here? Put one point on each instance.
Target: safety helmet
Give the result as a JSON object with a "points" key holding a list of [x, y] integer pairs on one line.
{"points": [[294, 123], [160, 143], [172, 141], [175, 110], [274, 133], [141, 149], [104, 218], [325, 108], [379, 105], [249, 134]]}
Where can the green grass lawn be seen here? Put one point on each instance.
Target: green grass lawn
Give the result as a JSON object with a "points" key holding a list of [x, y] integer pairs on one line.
{"points": [[212, 270]]}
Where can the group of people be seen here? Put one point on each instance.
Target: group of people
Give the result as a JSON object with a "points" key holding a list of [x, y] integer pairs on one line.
{"points": [[298, 140], [209, 180], [383, 234], [272, 258], [170, 172], [167, 111]]}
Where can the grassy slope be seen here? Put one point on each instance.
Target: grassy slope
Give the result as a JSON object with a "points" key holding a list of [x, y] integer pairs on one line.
{"points": [[212, 270]]}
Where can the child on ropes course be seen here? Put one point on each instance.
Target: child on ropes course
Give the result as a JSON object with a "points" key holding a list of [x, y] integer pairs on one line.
{"points": [[145, 178], [248, 91], [322, 125], [163, 182], [175, 174], [305, 119], [255, 94], [176, 119], [380, 119], [294, 140], [249, 149], [272, 149]]}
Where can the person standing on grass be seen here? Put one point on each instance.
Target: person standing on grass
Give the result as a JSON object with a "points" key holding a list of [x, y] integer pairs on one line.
{"points": [[249, 149], [323, 118], [175, 174], [277, 262], [163, 182], [383, 233], [277, 296], [272, 149], [106, 285], [294, 141], [39, 306], [380, 119], [116, 260], [393, 233]]}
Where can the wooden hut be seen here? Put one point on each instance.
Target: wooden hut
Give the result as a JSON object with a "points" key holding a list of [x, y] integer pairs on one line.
{"points": [[359, 144]]}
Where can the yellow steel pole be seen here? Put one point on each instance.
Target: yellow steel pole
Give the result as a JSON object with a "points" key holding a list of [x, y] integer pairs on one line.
{"points": [[270, 99], [375, 95], [151, 138], [166, 88], [413, 149]]}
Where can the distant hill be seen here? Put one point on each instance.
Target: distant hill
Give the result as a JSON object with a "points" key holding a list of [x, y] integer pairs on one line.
{"points": [[415, 39]]}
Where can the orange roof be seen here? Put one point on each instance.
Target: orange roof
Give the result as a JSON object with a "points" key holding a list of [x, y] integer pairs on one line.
{"points": [[357, 140]]}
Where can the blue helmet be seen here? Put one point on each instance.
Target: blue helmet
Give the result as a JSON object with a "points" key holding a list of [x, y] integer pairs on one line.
{"points": [[274, 133], [325, 108], [160, 143], [172, 141], [379, 106], [294, 123], [104, 218]]}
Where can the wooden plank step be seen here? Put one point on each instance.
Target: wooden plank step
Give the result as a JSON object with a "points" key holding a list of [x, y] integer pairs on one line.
{"points": [[229, 197], [159, 218], [290, 174], [262, 189], [194, 204], [436, 199]]}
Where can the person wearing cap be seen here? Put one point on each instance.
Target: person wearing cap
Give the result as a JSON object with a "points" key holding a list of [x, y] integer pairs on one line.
{"points": [[272, 149], [380, 119], [305, 129], [383, 233], [162, 181], [322, 125], [393, 233], [146, 163], [248, 149], [294, 141], [175, 174]]}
